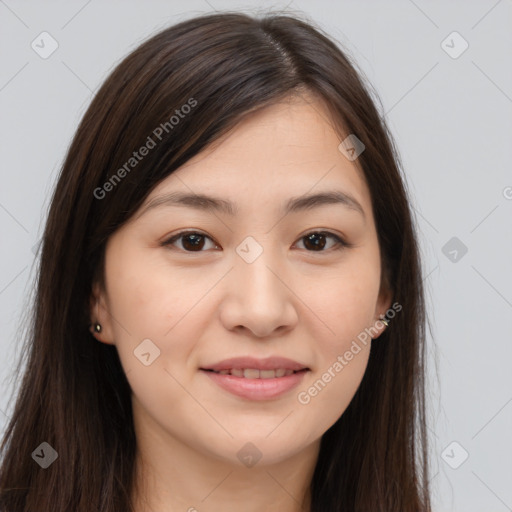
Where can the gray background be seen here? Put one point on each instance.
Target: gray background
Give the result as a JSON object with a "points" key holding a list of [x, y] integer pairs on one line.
{"points": [[452, 121]]}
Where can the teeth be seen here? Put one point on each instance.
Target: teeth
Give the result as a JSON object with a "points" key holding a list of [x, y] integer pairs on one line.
{"points": [[250, 373], [253, 373]]}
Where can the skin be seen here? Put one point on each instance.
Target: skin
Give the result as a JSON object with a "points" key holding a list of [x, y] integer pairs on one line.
{"points": [[200, 307]]}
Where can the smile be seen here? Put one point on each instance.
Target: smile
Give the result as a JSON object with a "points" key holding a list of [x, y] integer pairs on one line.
{"points": [[254, 373]]}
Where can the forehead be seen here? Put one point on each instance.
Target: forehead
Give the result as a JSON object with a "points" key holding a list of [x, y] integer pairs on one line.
{"points": [[283, 150]]}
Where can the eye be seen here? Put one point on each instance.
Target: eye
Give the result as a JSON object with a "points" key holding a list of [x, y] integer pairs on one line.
{"points": [[192, 241], [315, 241]]}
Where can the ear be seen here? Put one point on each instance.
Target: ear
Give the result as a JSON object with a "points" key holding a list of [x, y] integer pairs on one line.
{"points": [[383, 304], [99, 313]]}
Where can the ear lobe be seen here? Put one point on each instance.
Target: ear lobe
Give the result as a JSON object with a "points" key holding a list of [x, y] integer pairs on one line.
{"points": [[99, 314]]}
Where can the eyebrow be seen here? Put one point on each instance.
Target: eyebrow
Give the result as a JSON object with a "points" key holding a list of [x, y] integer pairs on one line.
{"points": [[295, 204]]}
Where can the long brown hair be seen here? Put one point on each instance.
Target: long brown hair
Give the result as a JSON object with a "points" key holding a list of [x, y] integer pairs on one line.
{"points": [[74, 394]]}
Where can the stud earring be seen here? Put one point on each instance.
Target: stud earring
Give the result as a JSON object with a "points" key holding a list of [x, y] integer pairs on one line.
{"points": [[384, 321], [96, 325]]}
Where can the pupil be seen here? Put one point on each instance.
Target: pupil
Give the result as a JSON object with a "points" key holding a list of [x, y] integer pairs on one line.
{"points": [[196, 239], [313, 238]]}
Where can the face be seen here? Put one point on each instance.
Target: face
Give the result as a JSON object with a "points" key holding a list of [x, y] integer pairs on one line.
{"points": [[190, 285]]}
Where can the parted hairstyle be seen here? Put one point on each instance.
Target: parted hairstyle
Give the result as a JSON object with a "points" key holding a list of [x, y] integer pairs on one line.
{"points": [[73, 392]]}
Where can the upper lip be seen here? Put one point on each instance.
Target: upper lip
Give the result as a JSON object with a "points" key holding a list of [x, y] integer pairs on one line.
{"points": [[269, 363]]}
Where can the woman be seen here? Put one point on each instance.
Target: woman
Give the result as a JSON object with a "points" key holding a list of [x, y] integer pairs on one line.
{"points": [[229, 311]]}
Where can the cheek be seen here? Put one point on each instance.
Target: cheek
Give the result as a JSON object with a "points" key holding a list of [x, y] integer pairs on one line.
{"points": [[151, 311], [151, 301], [346, 307], [147, 296], [329, 392], [342, 349], [346, 303]]}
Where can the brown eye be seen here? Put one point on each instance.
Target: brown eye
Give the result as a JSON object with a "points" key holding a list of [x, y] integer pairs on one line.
{"points": [[191, 241], [316, 241]]}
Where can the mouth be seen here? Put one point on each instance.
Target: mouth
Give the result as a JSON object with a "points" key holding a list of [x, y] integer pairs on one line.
{"points": [[254, 373], [257, 379], [256, 388]]}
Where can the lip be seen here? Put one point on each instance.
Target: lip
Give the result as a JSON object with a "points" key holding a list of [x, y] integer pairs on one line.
{"points": [[269, 363], [256, 389]]}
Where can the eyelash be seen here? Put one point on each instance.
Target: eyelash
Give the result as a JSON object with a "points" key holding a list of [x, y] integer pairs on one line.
{"points": [[340, 243]]}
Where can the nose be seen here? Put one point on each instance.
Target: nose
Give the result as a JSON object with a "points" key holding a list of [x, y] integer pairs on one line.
{"points": [[259, 298]]}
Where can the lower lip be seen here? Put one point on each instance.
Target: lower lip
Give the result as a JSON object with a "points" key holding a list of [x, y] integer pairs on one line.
{"points": [[256, 389]]}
